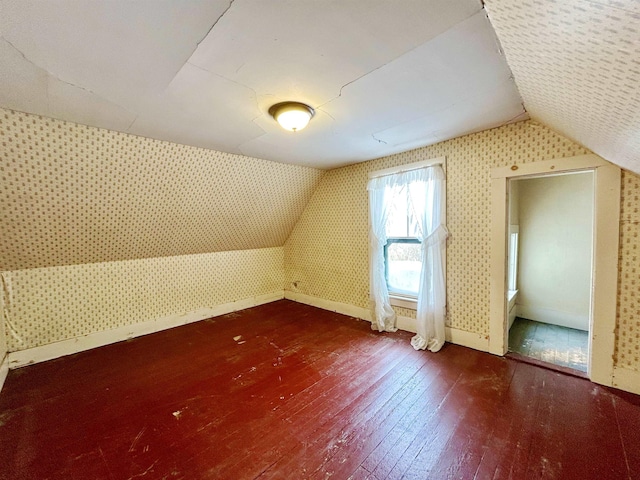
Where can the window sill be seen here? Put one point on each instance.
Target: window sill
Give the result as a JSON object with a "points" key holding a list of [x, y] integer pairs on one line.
{"points": [[403, 302]]}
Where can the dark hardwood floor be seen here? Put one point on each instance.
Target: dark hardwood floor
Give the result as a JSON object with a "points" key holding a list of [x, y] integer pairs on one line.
{"points": [[288, 391]]}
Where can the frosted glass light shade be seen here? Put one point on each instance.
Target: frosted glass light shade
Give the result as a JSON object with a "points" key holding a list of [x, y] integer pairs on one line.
{"points": [[292, 116]]}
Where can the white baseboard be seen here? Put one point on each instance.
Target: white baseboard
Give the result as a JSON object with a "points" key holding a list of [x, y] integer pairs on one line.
{"points": [[553, 317], [452, 335], [626, 379], [343, 308], [4, 370], [99, 339]]}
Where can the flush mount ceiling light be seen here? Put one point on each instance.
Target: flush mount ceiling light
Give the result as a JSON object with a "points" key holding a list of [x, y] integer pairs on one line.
{"points": [[292, 116]]}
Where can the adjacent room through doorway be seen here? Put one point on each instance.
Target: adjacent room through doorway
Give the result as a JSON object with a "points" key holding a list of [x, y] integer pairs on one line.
{"points": [[549, 274]]}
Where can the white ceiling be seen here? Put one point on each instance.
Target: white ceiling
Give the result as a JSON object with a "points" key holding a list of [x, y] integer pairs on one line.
{"points": [[383, 76]]}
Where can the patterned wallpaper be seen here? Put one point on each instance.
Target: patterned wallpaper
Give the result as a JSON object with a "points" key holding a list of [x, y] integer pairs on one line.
{"points": [[577, 66], [104, 229], [45, 305], [326, 254], [73, 194], [628, 332]]}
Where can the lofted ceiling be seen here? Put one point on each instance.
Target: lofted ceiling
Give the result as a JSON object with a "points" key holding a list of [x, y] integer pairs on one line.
{"points": [[383, 76]]}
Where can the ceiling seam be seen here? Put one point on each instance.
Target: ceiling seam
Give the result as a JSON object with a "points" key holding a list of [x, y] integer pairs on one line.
{"points": [[373, 135], [212, 26], [53, 75], [504, 55], [464, 100], [396, 58], [201, 40]]}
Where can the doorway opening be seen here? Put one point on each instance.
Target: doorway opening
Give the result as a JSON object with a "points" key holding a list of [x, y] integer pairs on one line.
{"points": [[604, 281], [550, 267]]}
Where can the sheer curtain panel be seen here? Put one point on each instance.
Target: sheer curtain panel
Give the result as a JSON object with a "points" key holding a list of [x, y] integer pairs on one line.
{"points": [[426, 191], [380, 194]]}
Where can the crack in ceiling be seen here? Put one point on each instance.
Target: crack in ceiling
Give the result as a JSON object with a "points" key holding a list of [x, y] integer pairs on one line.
{"points": [[57, 77]]}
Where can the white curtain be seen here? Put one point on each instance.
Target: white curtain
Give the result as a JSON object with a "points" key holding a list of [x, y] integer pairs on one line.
{"points": [[380, 194], [426, 188], [428, 183]]}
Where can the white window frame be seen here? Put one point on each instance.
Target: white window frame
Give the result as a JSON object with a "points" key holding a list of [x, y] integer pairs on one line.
{"points": [[512, 273], [405, 301]]}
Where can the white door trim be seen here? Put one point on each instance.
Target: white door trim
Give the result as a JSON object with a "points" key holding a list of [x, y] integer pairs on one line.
{"points": [[606, 228]]}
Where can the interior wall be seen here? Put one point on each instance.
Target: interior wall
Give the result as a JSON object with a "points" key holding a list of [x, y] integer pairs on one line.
{"points": [[46, 305], [326, 255], [556, 244], [628, 324], [101, 229]]}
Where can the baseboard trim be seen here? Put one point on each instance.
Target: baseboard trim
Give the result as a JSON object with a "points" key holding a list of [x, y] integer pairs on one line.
{"points": [[626, 379], [553, 317], [343, 308], [452, 335], [100, 339], [4, 370]]}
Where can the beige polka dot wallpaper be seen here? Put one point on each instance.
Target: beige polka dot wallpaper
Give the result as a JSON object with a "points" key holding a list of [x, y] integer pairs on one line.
{"points": [[45, 305], [628, 331], [327, 253], [575, 64], [102, 229], [73, 194]]}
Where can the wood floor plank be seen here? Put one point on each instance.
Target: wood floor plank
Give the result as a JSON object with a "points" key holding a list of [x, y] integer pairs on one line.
{"points": [[426, 431], [628, 422], [328, 417], [285, 390], [509, 439], [370, 434]]}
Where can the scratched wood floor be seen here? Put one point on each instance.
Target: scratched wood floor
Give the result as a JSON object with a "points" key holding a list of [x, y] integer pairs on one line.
{"points": [[289, 391]]}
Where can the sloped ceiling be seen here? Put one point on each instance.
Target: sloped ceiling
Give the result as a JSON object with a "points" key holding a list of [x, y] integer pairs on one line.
{"points": [[73, 194], [383, 76], [577, 67]]}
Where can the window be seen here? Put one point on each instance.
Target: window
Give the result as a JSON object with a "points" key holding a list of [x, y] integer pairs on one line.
{"points": [[512, 273], [407, 239], [403, 253]]}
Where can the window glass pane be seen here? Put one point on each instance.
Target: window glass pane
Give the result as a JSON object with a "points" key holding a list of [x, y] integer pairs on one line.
{"points": [[403, 268], [397, 219], [402, 220], [414, 206]]}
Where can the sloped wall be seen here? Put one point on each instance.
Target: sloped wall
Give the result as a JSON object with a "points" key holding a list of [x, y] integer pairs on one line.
{"points": [[576, 67], [102, 229], [74, 194], [326, 254]]}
